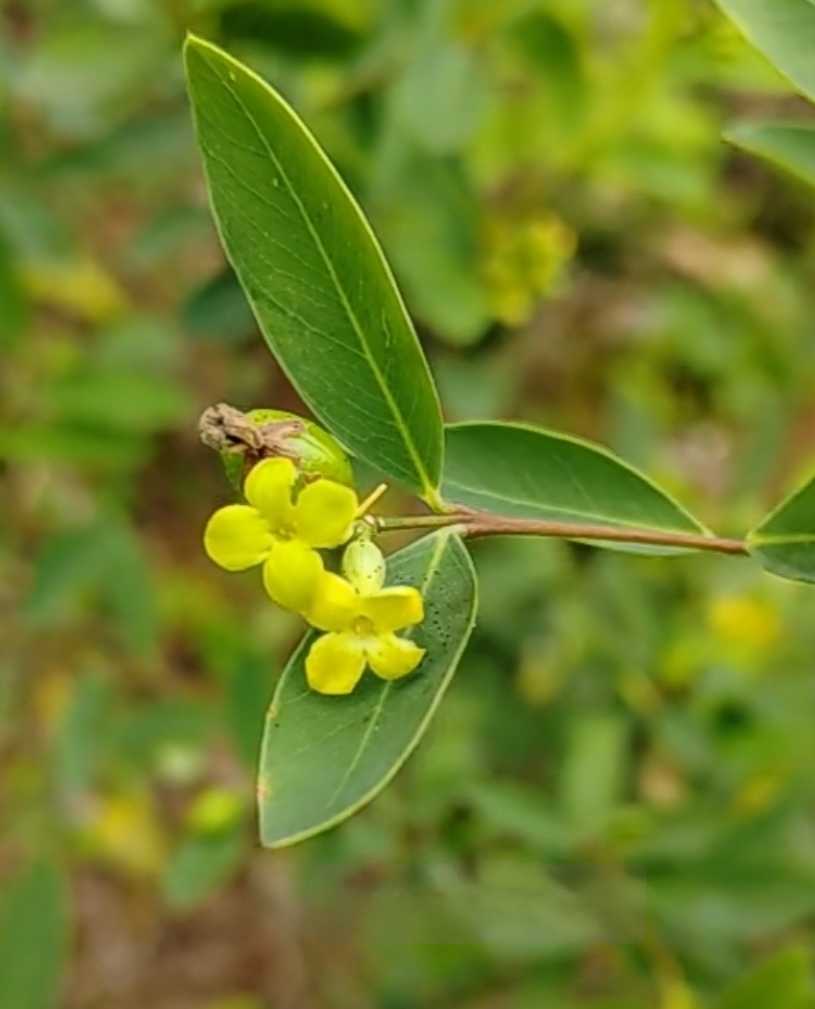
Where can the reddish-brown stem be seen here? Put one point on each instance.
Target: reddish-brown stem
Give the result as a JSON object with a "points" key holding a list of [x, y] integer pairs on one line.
{"points": [[476, 524]]}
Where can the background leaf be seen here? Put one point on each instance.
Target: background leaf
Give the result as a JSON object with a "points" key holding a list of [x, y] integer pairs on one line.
{"points": [[34, 932], [790, 145], [524, 472], [677, 329], [301, 28], [218, 310], [325, 757], [443, 98], [782, 981], [12, 297], [432, 229], [201, 864], [785, 541], [313, 272], [593, 772], [784, 30], [86, 76]]}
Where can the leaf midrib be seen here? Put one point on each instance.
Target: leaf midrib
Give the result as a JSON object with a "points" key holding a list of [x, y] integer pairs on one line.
{"points": [[780, 539], [358, 332]]}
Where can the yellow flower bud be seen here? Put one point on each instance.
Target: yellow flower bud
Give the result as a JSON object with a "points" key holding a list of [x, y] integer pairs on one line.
{"points": [[364, 565]]}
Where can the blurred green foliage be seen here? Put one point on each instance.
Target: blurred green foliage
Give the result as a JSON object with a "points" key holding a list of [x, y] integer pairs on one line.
{"points": [[615, 807]]}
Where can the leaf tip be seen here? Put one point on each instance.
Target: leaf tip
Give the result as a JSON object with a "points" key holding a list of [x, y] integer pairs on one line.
{"points": [[191, 42], [196, 46]]}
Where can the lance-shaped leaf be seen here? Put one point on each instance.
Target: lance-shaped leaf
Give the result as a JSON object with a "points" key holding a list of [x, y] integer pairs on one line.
{"points": [[790, 145], [323, 758], [313, 272], [34, 937], [785, 541], [518, 471], [784, 31]]}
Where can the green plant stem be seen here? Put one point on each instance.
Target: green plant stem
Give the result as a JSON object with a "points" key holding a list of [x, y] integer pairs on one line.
{"points": [[476, 523]]}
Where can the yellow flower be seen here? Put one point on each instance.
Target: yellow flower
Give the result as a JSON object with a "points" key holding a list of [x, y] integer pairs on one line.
{"points": [[745, 620], [361, 632], [282, 533]]}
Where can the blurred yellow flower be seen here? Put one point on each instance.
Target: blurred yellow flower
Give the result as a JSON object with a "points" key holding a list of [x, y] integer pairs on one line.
{"points": [[281, 532], [82, 287], [124, 831], [538, 678], [361, 632], [214, 810], [523, 262], [759, 793], [745, 621], [677, 995]]}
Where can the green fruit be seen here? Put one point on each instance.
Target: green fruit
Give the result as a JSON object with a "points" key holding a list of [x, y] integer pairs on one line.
{"points": [[317, 453]]}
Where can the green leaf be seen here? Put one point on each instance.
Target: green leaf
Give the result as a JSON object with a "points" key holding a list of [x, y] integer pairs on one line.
{"points": [[218, 311], [323, 758], [83, 734], [293, 29], [552, 49], [323, 295], [785, 541], [431, 224], [593, 771], [443, 97], [88, 75], [784, 31], [790, 145], [201, 865], [517, 812], [518, 471], [34, 933], [781, 981], [12, 297], [246, 696]]}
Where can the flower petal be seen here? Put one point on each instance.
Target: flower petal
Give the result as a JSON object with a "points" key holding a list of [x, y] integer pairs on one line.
{"points": [[335, 663], [268, 488], [336, 604], [237, 537], [292, 573], [392, 657], [393, 608], [324, 513]]}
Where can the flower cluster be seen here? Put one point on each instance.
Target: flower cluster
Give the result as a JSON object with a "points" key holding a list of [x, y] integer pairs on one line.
{"points": [[282, 527]]}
